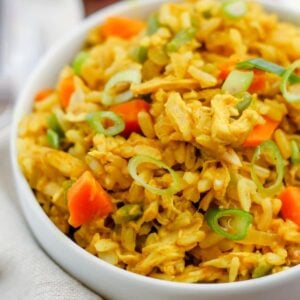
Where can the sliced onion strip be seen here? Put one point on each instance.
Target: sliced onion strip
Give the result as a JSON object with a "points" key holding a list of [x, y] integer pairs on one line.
{"points": [[141, 159]]}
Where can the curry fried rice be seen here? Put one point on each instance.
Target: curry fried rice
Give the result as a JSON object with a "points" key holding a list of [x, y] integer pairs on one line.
{"points": [[170, 147]]}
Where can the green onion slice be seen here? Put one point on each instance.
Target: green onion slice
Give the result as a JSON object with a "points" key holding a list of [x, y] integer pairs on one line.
{"points": [[141, 159], [181, 38], [79, 61], [237, 82], [140, 54], [245, 103], [96, 120], [153, 24], [53, 139], [234, 9], [124, 77], [290, 97], [238, 222], [273, 152], [126, 213], [264, 65], [295, 153], [262, 269], [53, 124]]}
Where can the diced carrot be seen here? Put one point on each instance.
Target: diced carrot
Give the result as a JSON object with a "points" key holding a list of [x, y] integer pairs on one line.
{"points": [[261, 133], [43, 94], [87, 200], [259, 82], [226, 67], [290, 208], [65, 90], [129, 112], [122, 27]]}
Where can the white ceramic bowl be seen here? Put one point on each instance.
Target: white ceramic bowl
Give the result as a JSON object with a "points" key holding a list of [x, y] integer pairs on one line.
{"points": [[100, 276]]}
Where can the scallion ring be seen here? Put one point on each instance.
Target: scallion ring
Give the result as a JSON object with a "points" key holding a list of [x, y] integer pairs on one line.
{"points": [[140, 54], [153, 24], [78, 62], [238, 222], [136, 161], [234, 9], [237, 82], [290, 97], [181, 38], [262, 269], [53, 139], [274, 153], [244, 103], [295, 153], [96, 120], [125, 77], [53, 124]]}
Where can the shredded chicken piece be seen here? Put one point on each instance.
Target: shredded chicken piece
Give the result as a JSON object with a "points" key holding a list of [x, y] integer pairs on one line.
{"points": [[65, 163], [179, 114], [230, 156], [210, 145], [205, 79], [226, 130], [167, 84], [246, 192]]}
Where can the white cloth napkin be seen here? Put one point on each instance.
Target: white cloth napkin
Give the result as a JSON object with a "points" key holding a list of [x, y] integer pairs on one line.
{"points": [[26, 272]]}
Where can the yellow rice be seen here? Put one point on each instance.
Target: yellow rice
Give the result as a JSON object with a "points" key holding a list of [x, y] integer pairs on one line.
{"points": [[189, 128]]}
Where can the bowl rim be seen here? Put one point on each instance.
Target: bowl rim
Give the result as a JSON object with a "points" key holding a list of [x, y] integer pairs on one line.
{"points": [[31, 203]]}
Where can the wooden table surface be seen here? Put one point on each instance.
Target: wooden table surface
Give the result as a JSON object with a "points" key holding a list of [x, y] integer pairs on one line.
{"points": [[93, 5]]}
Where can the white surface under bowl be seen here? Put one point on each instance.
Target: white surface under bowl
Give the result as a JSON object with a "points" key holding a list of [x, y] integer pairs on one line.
{"points": [[107, 280]]}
